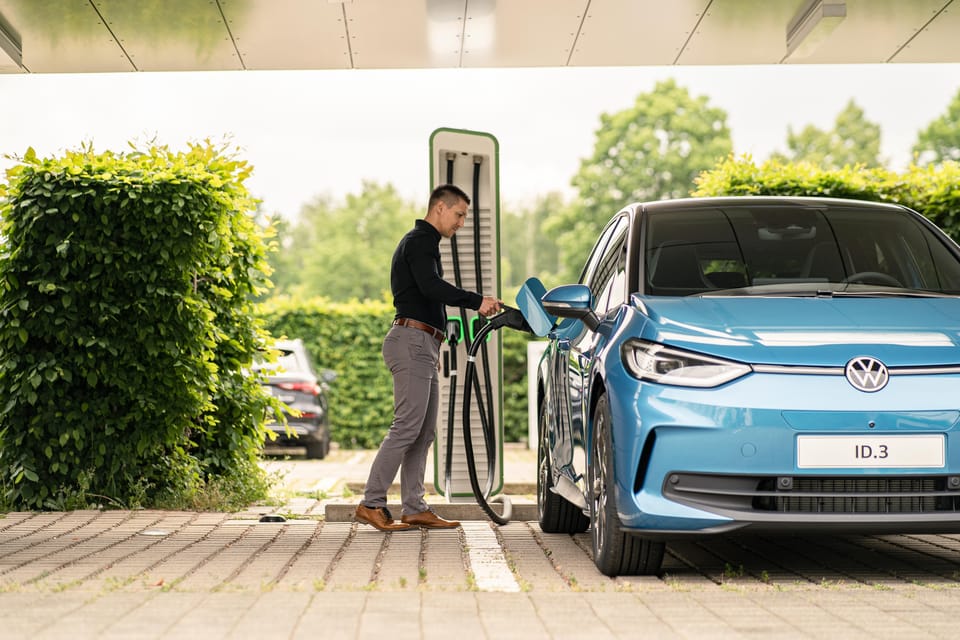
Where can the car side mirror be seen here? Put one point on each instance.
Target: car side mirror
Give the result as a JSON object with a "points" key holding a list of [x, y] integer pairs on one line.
{"points": [[571, 301]]}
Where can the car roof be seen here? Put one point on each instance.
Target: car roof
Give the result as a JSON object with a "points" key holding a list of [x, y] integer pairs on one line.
{"points": [[752, 201], [288, 345]]}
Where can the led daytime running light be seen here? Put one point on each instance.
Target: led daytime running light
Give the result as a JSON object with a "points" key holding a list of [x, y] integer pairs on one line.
{"points": [[666, 365]]}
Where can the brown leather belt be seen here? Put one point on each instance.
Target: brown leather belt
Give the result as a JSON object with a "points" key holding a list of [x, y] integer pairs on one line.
{"points": [[416, 324]]}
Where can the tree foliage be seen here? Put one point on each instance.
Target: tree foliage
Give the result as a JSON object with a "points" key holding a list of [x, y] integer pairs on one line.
{"points": [[940, 141], [126, 326], [854, 140], [526, 250], [649, 151], [342, 251]]}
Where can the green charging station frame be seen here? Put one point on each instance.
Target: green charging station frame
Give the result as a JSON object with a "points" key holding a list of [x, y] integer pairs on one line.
{"points": [[466, 145]]}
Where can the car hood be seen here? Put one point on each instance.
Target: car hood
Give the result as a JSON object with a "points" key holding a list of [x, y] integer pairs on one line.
{"points": [[817, 331]]}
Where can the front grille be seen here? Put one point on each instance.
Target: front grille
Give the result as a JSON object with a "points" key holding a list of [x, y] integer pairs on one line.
{"points": [[806, 494], [860, 495]]}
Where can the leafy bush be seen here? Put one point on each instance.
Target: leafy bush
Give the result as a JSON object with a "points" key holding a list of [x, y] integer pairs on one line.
{"points": [[125, 327], [929, 190], [347, 338]]}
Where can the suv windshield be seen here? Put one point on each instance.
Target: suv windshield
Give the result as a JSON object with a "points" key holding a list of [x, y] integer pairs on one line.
{"points": [[794, 250]]}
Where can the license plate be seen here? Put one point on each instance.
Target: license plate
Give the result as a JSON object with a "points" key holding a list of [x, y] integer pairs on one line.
{"points": [[827, 452]]}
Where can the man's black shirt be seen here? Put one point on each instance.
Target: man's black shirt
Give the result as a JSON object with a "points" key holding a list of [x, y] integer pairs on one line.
{"points": [[416, 279]]}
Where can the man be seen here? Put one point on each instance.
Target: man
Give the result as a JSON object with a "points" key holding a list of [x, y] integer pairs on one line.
{"points": [[411, 351]]}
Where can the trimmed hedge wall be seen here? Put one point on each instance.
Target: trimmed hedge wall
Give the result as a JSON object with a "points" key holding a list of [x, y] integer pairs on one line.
{"points": [[126, 328], [347, 338]]}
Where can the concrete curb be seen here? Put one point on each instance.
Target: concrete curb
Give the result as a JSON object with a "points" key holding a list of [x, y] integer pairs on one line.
{"points": [[509, 488], [343, 512]]}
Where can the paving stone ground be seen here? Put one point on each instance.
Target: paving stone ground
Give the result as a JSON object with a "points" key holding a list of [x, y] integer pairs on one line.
{"points": [[161, 574]]}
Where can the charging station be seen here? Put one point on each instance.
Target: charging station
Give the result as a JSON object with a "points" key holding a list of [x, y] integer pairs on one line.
{"points": [[470, 260]]}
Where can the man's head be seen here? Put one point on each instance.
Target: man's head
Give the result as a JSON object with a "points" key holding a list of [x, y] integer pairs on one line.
{"points": [[447, 209]]}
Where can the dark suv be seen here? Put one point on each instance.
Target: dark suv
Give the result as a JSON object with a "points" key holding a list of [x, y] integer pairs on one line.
{"points": [[292, 380]]}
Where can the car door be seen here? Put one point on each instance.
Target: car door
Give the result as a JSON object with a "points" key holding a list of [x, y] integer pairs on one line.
{"points": [[576, 348]]}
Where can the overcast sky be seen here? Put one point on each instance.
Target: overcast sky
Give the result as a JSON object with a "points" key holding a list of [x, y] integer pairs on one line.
{"points": [[323, 132]]}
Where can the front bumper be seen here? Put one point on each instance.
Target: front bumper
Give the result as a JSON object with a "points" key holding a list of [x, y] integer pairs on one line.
{"points": [[699, 461]]}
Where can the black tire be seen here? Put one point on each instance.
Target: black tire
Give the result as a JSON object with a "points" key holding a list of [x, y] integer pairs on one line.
{"points": [[614, 552], [556, 515], [318, 449]]}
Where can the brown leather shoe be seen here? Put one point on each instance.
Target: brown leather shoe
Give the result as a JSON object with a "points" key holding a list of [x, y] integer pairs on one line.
{"points": [[429, 520], [379, 519]]}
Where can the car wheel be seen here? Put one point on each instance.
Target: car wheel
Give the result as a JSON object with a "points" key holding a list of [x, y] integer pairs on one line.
{"points": [[556, 515], [318, 449], [614, 551]]}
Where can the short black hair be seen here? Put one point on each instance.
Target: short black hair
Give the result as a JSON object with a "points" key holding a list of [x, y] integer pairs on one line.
{"points": [[450, 194]]}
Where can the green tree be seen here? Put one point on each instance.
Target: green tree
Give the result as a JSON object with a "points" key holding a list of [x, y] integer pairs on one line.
{"points": [[342, 251], [854, 140], [526, 250], [652, 150], [940, 141]]}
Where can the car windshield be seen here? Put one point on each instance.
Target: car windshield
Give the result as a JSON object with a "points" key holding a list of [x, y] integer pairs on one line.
{"points": [[790, 250]]}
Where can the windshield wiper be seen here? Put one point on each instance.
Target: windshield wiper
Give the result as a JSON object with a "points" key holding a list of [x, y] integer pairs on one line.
{"points": [[892, 293], [755, 292]]}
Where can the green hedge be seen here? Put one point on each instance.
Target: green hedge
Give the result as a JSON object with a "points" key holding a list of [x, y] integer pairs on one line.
{"points": [[125, 327], [347, 338], [932, 191], [514, 385]]}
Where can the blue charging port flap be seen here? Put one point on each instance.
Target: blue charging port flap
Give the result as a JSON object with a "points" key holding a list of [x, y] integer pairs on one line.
{"points": [[528, 301]]}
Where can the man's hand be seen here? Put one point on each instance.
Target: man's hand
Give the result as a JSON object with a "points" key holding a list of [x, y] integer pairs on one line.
{"points": [[490, 306]]}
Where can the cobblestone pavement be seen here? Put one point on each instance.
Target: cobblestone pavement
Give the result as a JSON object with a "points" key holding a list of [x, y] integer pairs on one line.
{"points": [[160, 574]]}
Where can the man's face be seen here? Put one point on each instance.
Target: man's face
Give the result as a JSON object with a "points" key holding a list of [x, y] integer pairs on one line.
{"points": [[451, 218]]}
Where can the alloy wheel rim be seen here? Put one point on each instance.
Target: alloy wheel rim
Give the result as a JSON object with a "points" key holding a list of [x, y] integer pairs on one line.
{"points": [[599, 485], [542, 468]]}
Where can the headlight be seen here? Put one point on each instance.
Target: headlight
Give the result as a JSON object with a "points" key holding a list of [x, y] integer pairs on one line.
{"points": [[665, 365]]}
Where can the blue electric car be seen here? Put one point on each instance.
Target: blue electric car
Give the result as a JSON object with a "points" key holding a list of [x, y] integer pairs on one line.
{"points": [[772, 363]]}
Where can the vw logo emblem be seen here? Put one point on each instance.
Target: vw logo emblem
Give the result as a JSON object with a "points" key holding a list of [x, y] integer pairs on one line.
{"points": [[867, 374]]}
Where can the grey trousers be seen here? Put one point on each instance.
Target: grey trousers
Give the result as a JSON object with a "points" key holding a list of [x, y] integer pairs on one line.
{"points": [[411, 355]]}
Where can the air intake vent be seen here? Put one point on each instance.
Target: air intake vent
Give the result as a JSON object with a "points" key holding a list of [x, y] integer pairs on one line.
{"points": [[826, 495]]}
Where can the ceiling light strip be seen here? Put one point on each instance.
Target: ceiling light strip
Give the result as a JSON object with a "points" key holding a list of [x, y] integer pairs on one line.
{"points": [[11, 47]]}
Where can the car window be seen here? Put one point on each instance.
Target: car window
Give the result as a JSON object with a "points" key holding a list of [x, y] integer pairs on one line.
{"points": [[608, 283], [708, 249], [598, 252], [289, 360]]}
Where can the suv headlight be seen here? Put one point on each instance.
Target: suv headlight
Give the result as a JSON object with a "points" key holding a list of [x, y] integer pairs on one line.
{"points": [[666, 365]]}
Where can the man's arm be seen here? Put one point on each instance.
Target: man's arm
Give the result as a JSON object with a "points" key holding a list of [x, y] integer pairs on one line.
{"points": [[433, 287]]}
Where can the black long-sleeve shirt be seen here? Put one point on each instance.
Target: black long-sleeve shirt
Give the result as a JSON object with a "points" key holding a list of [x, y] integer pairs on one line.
{"points": [[416, 279]]}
